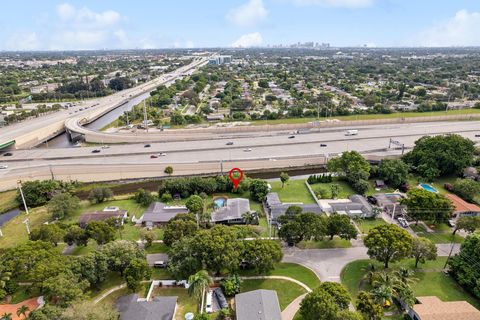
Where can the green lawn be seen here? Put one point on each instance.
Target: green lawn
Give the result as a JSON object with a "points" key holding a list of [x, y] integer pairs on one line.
{"points": [[344, 192], [7, 201], [431, 279], [325, 244], [23, 293], [293, 191], [14, 231], [113, 279], [442, 234], [365, 225], [83, 250], [157, 247], [287, 291], [292, 270], [161, 274], [185, 303]]}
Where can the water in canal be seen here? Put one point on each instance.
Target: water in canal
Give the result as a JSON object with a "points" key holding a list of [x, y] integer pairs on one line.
{"points": [[62, 141], [9, 215]]}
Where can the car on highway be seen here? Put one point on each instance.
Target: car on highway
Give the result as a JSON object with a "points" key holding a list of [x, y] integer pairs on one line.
{"points": [[147, 146], [323, 145], [162, 154], [247, 150], [291, 137], [477, 136], [8, 154], [153, 156], [96, 151], [3, 167], [105, 147], [402, 222], [229, 143]]}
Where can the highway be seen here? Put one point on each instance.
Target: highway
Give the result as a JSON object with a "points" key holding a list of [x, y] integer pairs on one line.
{"points": [[34, 131], [250, 150]]}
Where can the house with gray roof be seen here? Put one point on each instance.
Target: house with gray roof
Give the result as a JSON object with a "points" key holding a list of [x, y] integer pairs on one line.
{"points": [[159, 308], [275, 208], [257, 305], [358, 206], [159, 213], [232, 211], [119, 215]]}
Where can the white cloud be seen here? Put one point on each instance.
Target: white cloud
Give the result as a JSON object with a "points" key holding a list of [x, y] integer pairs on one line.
{"points": [[23, 41], [249, 40], [336, 3], [65, 11], [248, 14], [461, 30]]}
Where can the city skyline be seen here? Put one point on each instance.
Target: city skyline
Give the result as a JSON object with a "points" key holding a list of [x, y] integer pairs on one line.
{"points": [[80, 25]]}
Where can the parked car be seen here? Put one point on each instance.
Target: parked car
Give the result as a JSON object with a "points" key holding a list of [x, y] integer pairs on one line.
{"points": [[3, 167], [291, 137], [247, 150], [8, 154], [452, 223], [147, 146], [230, 143], [209, 302], [222, 301], [160, 264], [96, 151], [323, 145], [372, 199], [153, 156], [402, 222]]}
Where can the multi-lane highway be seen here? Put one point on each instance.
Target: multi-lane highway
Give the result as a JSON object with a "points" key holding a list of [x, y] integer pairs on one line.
{"points": [[34, 131], [252, 150]]}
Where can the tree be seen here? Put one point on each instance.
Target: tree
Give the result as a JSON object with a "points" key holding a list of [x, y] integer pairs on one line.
{"points": [[394, 172], [335, 190], [177, 229], [147, 237], [325, 303], [263, 83], [352, 165], [136, 271], [367, 306], [195, 205], [119, 254], [86, 310], [143, 197], [100, 231], [168, 170], [199, 282], [6, 316], [388, 243], [37, 193], [62, 205], [93, 267], [258, 189], [76, 235], [466, 189], [284, 177], [63, 289], [250, 218], [424, 205], [99, 195], [47, 312], [464, 266], [340, 225], [262, 254], [49, 233], [183, 258], [231, 285], [469, 224], [423, 249], [22, 311], [303, 226], [440, 155]]}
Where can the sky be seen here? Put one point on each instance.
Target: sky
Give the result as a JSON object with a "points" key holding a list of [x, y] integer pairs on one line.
{"points": [[145, 24]]}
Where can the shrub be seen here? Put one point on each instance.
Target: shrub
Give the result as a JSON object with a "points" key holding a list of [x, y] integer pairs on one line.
{"points": [[166, 197]]}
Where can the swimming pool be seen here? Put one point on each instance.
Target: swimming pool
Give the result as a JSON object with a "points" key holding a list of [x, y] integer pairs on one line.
{"points": [[428, 187], [219, 202]]}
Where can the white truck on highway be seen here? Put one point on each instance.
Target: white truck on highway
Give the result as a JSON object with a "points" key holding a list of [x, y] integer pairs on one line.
{"points": [[351, 132]]}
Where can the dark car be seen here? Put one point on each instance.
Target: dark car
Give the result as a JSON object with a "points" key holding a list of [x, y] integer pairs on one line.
{"points": [[372, 200], [323, 145], [153, 156], [222, 301], [96, 151], [477, 136], [229, 143], [147, 146], [291, 137], [7, 154]]}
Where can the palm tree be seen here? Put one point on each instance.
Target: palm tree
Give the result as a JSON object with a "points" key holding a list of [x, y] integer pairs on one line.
{"points": [[23, 311], [405, 275], [382, 295], [369, 273], [4, 278], [248, 217], [198, 283], [6, 316]]}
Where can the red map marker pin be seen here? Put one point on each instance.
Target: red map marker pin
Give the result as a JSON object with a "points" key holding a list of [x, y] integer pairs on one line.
{"points": [[236, 175]]}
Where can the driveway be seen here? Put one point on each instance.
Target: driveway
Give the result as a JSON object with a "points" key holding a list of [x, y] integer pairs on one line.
{"points": [[326, 263], [151, 258]]}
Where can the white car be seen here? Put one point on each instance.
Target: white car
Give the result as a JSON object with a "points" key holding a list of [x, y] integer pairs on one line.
{"points": [[403, 222], [209, 302], [247, 150], [105, 147], [162, 154], [3, 167]]}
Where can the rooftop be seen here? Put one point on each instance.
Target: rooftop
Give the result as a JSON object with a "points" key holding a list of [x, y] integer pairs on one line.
{"points": [[432, 308], [159, 308], [101, 215], [462, 205], [233, 209], [257, 305], [160, 212]]}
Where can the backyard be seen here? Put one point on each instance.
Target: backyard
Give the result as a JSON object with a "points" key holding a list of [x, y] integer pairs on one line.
{"points": [[185, 303], [293, 191]]}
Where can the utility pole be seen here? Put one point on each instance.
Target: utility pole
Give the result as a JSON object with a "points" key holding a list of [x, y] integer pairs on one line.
{"points": [[26, 221], [145, 115], [19, 182], [449, 255]]}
